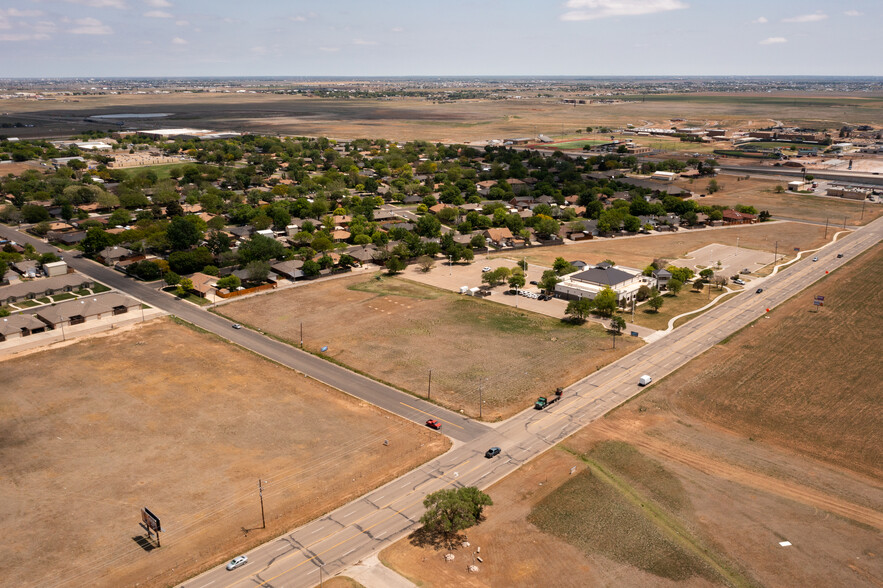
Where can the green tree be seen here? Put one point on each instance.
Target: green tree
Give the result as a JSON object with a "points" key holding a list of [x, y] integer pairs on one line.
{"points": [[549, 280], [516, 281], [182, 234], [562, 266], [230, 282], [95, 240], [394, 265], [643, 293], [257, 270], [146, 270], [579, 309], [617, 324], [184, 287], [713, 187], [605, 302], [674, 286], [311, 268], [428, 226], [545, 227], [656, 302], [450, 511], [260, 248], [171, 278]]}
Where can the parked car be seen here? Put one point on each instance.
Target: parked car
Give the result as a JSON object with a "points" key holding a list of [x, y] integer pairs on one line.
{"points": [[433, 424], [839, 255], [237, 326], [492, 452], [237, 561], [534, 283], [738, 281], [485, 269], [758, 291], [815, 258]]}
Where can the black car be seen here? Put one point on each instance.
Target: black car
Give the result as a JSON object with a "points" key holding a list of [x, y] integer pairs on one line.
{"points": [[534, 283], [758, 291], [839, 255], [492, 452]]}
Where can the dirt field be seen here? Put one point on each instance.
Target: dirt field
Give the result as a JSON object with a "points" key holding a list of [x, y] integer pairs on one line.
{"points": [[759, 193], [185, 424], [464, 120], [711, 469], [397, 330], [639, 251]]}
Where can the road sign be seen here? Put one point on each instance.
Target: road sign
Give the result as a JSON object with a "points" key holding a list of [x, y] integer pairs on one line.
{"points": [[324, 349], [818, 303], [820, 298], [634, 333], [151, 520], [797, 249]]}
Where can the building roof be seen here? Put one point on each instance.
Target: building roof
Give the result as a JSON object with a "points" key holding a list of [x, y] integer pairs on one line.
{"points": [[14, 323], [85, 307], [498, 234], [603, 275], [42, 285], [114, 252], [202, 283]]}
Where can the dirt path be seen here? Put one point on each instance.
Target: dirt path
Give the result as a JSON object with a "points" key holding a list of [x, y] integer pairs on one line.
{"points": [[712, 467]]}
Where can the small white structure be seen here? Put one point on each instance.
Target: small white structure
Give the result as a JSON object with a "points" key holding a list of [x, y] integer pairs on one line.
{"points": [[464, 289], [798, 186], [645, 379], [664, 176], [474, 291], [55, 268]]}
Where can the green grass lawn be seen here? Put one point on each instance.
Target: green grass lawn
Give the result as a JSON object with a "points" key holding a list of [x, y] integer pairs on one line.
{"points": [[27, 304], [161, 171], [778, 145], [685, 301], [83, 292], [576, 144], [44, 300], [196, 299], [99, 288], [63, 296]]}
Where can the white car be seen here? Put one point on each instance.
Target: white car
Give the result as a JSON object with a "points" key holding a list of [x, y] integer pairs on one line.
{"points": [[738, 281], [815, 258], [485, 270], [237, 561]]}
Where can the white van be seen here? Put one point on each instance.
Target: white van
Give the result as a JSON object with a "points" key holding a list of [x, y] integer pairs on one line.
{"points": [[645, 379]]}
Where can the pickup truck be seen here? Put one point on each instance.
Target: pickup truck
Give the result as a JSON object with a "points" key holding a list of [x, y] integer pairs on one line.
{"points": [[542, 402]]}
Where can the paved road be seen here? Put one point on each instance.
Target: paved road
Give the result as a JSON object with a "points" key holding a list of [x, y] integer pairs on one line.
{"points": [[368, 524], [400, 403], [362, 527]]}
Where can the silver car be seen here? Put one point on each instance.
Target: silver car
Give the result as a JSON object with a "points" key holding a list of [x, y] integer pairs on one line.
{"points": [[237, 561]]}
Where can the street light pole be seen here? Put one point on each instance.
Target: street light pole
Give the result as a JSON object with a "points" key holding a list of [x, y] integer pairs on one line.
{"points": [[261, 494], [480, 397], [429, 387]]}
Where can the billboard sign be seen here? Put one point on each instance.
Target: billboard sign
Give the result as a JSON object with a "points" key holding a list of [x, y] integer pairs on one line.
{"points": [[150, 520]]}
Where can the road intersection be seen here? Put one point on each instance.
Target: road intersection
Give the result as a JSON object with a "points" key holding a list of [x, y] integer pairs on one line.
{"points": [[360, 528]]}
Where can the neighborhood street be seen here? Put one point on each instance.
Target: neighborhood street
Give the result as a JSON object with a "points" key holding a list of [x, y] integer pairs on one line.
{"points": [[356, 530]]}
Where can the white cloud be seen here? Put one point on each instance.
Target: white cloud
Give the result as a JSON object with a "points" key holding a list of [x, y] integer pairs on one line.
{"points": [[760, 20], [595, 9], [22, 13], [182, 23], [90, 26], [852, 13], [179, 41], [329, 49], [158, 3], [298, 18], [100, 3], [397, 30], [14, 37], [773, 41], [815, 17], [157, 14], [363, 42]]}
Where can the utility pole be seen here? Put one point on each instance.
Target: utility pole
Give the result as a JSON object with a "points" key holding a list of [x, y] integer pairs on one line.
{"points": [[826, 227], [480, 397], [776, 256], [863, 210], [301, 334], [429, 387], [261, 494]]}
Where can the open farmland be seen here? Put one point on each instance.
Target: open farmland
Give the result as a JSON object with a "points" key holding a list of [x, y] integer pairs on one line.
{"points": [[770, 436], [760, 193], [463, 120], [184, 423], [639, 251], [396, 331]]}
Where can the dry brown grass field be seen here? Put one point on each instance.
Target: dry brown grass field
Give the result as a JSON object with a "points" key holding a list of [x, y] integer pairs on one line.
{"points": [[769, 437], [639, 251], [465, 120], [760, 193], [185, 424], [396, 330]]}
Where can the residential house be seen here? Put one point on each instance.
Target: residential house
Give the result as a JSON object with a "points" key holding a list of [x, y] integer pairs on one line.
{"points": [[88, 308], [203, 284], [46, 287], [290, 270], [114, 254], [662, 277], [20, 325], [28, 268], [499, 237], [733, 217]]}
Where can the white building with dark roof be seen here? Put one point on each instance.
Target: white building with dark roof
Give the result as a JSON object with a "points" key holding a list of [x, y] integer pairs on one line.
{"points": [[624, 281]]}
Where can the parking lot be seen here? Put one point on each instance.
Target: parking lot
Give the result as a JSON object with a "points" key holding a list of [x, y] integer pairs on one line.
{"points": [[455, 277], [732, 259]]}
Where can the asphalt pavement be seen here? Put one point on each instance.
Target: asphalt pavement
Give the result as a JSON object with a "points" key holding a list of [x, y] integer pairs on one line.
{"points": [[328, 545]]}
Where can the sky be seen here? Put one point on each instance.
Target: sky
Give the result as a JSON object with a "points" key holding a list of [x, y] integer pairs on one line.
{"points": [[218, 38]]}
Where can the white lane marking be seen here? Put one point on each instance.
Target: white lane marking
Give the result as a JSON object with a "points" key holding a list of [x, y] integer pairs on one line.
{"points": [[351, 512], [204, 585], [283, 547], [347, 553]]}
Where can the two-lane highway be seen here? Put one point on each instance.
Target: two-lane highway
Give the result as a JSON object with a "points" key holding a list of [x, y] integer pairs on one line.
{"points": [[395, 401]]}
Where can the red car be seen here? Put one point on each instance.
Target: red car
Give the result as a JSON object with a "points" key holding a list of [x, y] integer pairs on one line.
{"points": [[433, 424]]}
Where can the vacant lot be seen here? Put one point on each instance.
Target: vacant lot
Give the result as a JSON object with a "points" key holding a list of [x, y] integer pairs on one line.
{"points": [[760, 193], [185, 424], [808, 378], [397, 330], [639, 251]]}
